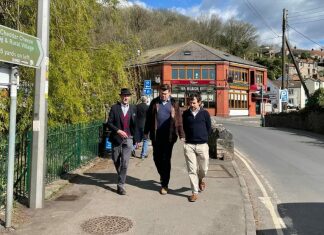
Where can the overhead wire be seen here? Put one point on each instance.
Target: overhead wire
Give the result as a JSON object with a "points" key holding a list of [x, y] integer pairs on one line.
{"points": [[305, 36], [305, 18], [305, 14], [296, 12], [250, 5], [302, 22]]}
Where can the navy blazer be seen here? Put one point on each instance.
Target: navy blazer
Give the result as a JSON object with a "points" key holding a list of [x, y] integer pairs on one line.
{"points": [[115, 123]]}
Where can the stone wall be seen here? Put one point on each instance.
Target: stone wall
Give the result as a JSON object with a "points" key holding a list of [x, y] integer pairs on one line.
{"points": [[221, 144], [309, 121]]}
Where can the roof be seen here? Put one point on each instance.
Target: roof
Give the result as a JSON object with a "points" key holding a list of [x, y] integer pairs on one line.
{"points": [[190, 51], [291, 84]]}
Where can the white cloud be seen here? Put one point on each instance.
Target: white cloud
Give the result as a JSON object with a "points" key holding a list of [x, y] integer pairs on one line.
{"points": [[265, 15], [125, 3]]}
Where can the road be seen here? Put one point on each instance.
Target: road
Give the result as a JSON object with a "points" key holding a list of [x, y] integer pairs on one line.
{"points": [[290, 166]]}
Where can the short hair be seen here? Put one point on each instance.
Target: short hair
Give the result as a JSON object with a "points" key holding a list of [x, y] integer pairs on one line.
{"points": [[143, 99], [196, 95], [165, 87]]}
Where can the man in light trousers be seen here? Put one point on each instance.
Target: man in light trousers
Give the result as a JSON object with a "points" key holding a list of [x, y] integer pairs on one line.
{"points": [[197, 127]]}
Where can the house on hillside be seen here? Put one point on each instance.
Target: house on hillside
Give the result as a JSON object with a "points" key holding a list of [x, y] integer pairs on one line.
{"points": [[227, 83], [308, 68]]}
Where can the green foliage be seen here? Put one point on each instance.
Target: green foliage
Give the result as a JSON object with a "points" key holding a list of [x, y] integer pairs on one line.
{"points": [[273, 65], [316, 101], [305, 55]]}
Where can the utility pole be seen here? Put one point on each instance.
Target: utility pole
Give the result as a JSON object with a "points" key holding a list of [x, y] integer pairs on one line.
{"points": [[283, 52], [38, 162], [298, 71]]}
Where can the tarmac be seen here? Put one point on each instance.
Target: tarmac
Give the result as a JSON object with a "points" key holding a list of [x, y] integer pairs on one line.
{"points": [[87, 203]]}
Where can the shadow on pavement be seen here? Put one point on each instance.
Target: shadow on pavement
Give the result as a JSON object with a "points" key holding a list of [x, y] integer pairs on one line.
{"points": [[108, 181], [300, 218]]}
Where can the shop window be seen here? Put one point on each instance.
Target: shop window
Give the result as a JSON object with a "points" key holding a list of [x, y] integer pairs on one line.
{"points": [[238, 99], [182, 93]]}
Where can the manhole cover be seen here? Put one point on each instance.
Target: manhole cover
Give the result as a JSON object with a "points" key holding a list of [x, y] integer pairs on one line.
{"points": [[107, 225]]}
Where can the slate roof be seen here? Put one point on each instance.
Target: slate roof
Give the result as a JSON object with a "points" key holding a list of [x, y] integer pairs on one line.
{"points": [[190, 51], [291, 84]]}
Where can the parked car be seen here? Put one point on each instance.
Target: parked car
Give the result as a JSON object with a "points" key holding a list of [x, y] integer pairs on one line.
{"points": [[291, 106]]}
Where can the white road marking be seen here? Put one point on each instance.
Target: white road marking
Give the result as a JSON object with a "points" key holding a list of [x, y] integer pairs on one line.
{"points": [[266, 200]]}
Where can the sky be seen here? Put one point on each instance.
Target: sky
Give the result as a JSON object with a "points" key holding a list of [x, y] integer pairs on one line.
{"points": [[305, 17]]}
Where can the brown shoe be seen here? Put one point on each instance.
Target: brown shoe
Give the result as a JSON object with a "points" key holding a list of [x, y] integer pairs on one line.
{"points": [[164, 190], [193, 197], [202, 185]]}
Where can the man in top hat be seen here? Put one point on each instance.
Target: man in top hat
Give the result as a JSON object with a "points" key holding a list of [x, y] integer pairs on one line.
{"points": [[122, 123]]}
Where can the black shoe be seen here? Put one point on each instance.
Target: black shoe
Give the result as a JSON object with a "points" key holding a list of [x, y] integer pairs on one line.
{"points": [[133, 153], [121, 191]]}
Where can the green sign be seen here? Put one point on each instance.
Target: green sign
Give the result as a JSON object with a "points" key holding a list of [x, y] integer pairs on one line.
{"points": [[20, 48]]}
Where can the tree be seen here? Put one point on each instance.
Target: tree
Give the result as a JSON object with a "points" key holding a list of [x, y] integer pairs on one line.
{"points": [[239, 37]]}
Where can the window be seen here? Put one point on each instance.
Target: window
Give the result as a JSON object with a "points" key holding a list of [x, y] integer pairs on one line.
{"points": [[259, 77], [181, 94], [238, 74], [238, 99], [290, 91], [206, 72]]}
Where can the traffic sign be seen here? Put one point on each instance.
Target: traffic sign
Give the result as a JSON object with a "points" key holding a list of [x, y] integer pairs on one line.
{"points": [[20, 48], [284, 95], [4, 77], [147, 84], [148, 91]]}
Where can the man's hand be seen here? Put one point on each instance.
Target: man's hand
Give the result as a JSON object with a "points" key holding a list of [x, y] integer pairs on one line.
{"points": [[122, 134], [183, 140]]}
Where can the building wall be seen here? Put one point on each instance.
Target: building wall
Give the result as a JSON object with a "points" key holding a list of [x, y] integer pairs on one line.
{"points": [[220, 84]]}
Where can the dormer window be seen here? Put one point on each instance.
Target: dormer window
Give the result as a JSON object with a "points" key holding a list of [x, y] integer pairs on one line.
{"points": [[187, 52]]}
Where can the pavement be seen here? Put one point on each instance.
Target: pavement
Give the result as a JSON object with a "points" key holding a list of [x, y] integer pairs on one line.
{"points": [[241, 120], [87, 203]]}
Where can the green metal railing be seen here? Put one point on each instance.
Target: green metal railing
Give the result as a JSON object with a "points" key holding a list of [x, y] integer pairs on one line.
{"points": [[68, 147], [22, 156]]}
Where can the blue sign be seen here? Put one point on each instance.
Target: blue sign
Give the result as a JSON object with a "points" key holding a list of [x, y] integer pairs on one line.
{"points": [[148, 91], [108, 144], [147, 84], [284, 95]]}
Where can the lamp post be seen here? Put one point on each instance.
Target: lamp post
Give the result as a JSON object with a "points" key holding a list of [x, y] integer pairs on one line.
{"points": [[262, 118]]}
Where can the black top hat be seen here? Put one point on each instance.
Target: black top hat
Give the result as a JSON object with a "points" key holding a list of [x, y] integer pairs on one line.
{"points": [[125, 91]]}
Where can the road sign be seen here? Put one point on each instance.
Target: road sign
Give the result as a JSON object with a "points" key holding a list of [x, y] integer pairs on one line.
{"points": [[148, 91], [4, 77], [20, 48], [147, 84], [284, 95]]}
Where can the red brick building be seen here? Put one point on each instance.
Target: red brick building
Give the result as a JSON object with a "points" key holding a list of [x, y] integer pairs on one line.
{"points": [[227, 83]]}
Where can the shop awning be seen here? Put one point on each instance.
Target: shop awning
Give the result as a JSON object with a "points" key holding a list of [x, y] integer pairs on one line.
{"points": [[258, 96]]}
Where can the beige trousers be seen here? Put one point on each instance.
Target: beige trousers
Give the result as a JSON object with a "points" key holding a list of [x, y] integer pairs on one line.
{"points": [[197, 159]]}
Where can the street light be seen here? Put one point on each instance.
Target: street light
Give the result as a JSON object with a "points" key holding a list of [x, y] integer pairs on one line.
{"points": [[262, 117]]}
